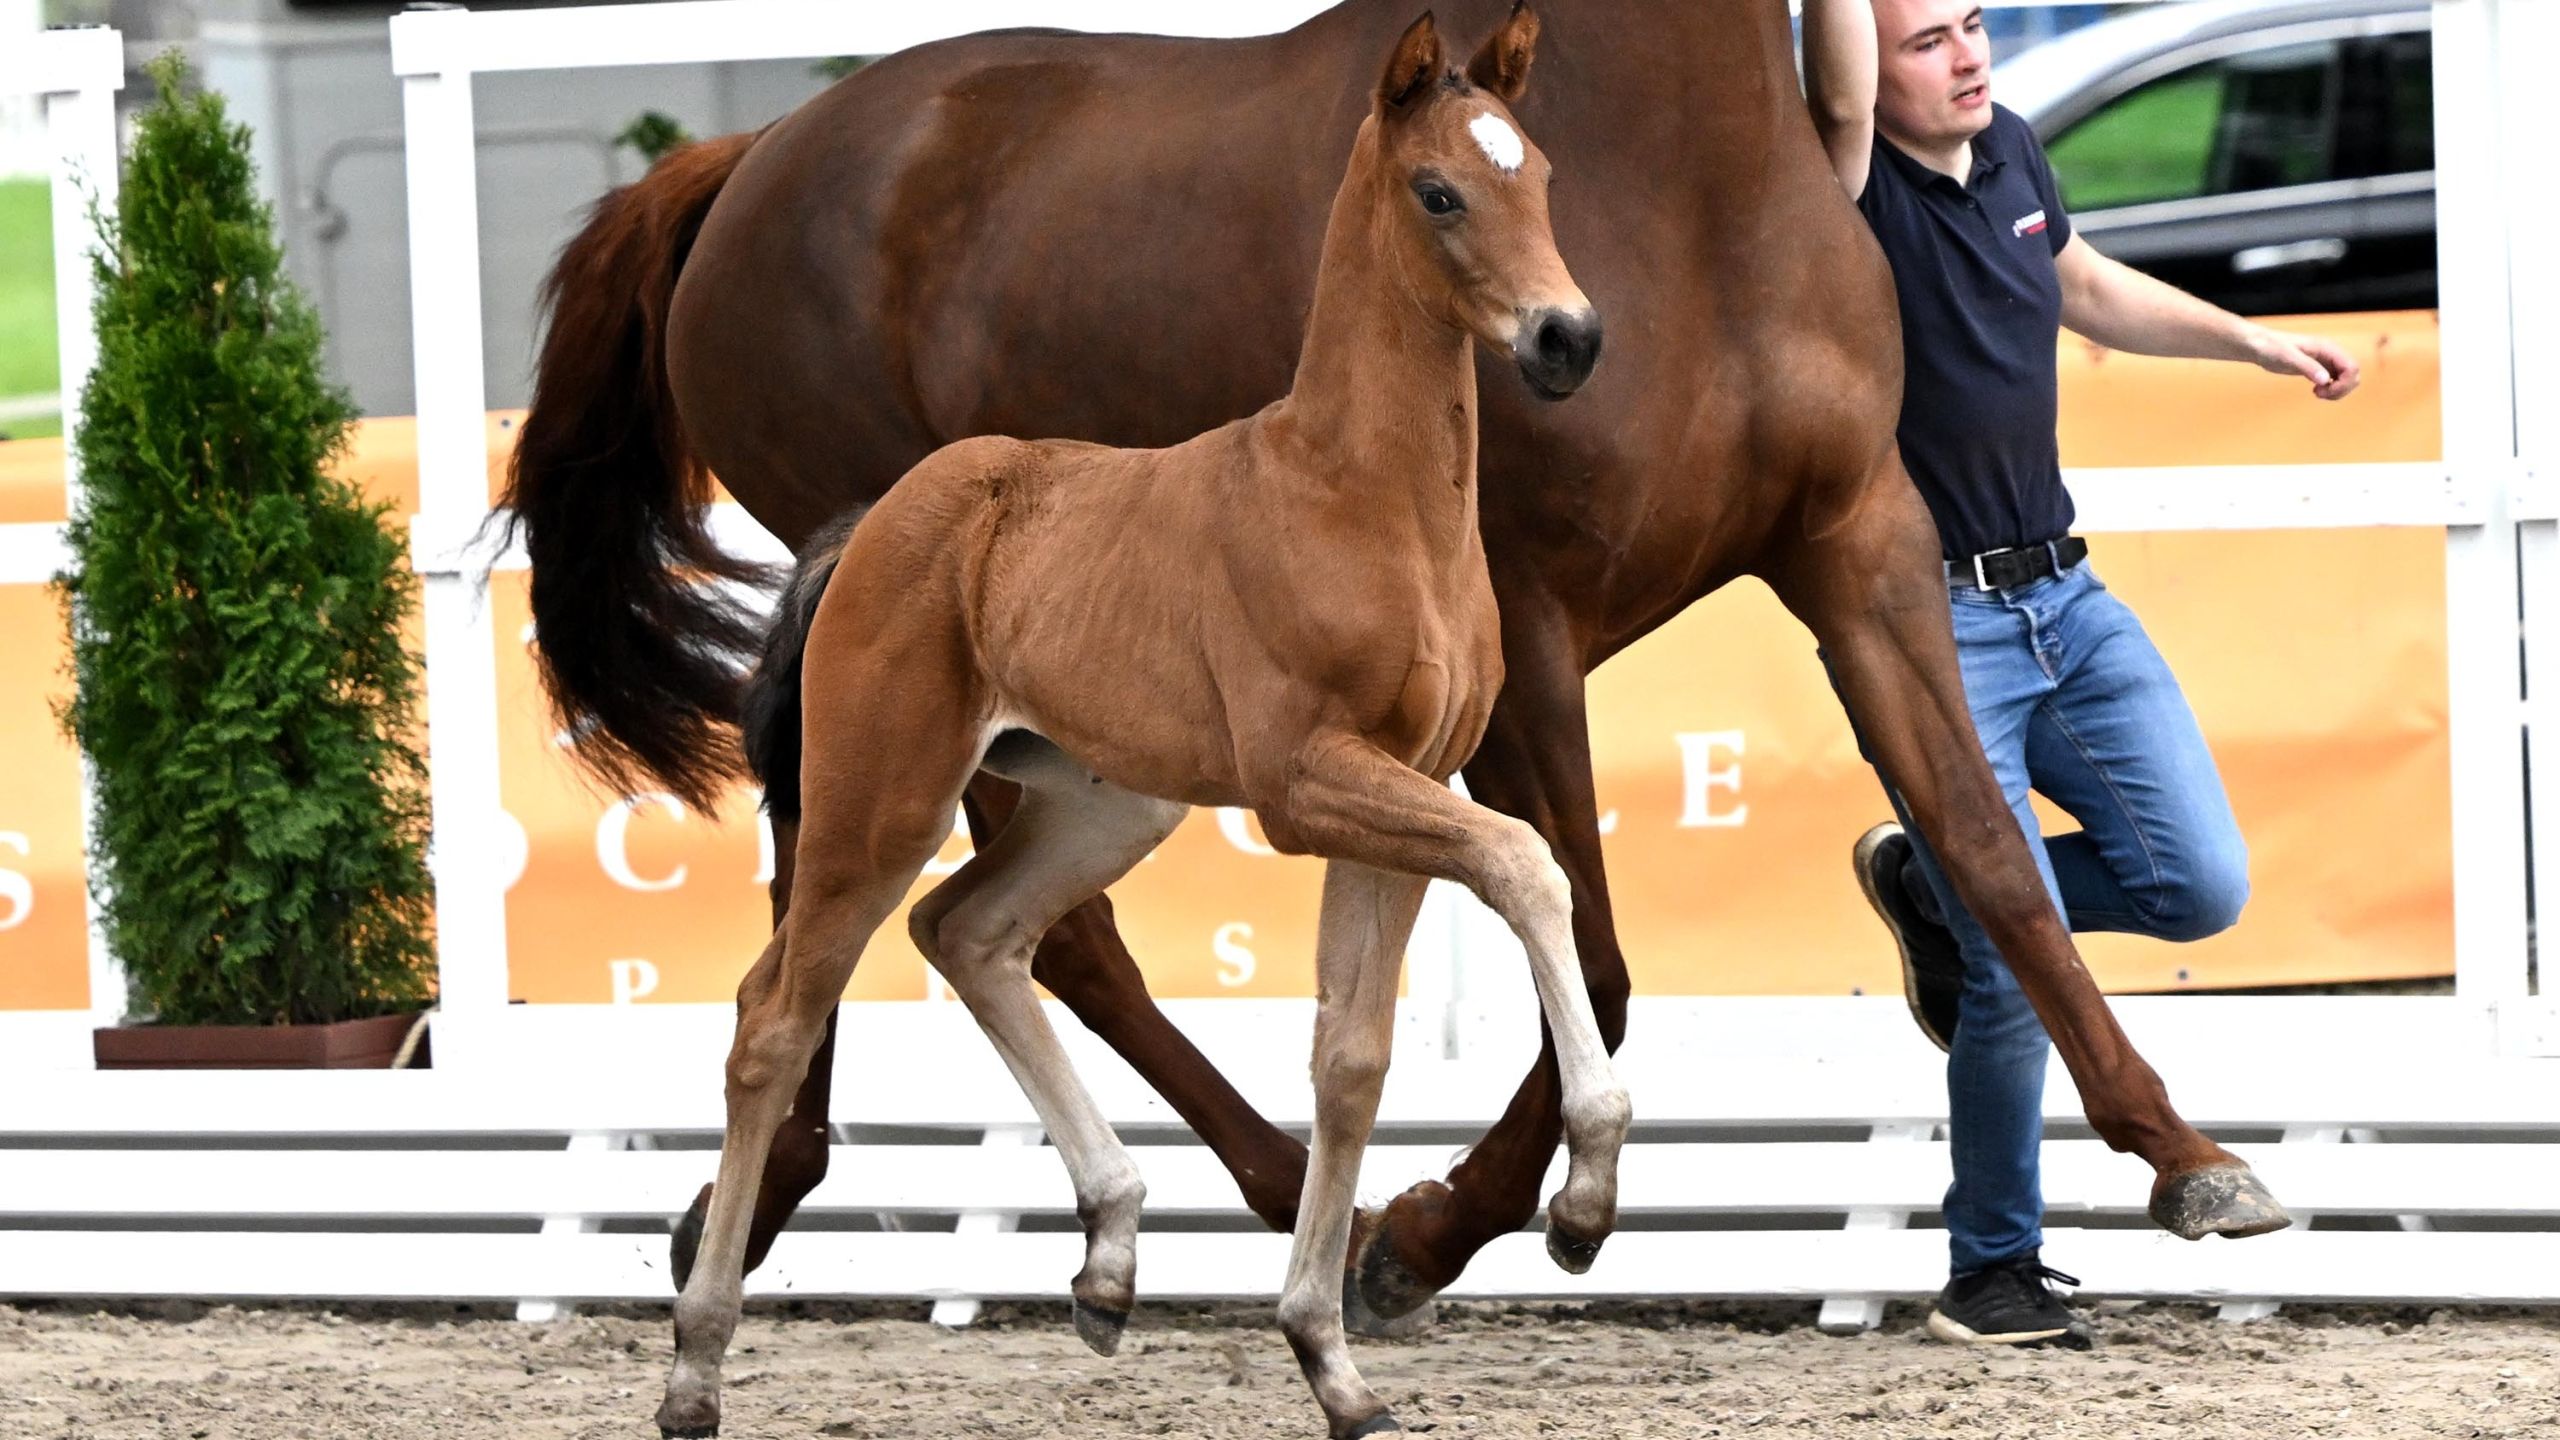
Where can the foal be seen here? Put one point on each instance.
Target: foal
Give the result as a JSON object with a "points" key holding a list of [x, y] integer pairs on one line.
{"points": [[1290, 612]]}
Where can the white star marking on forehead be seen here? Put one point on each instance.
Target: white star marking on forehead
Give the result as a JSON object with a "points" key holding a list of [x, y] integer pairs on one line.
{"points": [[1501, 143]]}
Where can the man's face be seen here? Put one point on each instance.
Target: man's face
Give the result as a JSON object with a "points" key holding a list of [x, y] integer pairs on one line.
{"points": [[1934, 81]]}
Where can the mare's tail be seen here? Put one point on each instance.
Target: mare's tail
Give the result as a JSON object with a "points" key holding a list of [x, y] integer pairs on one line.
{"points": [[637, 648]]}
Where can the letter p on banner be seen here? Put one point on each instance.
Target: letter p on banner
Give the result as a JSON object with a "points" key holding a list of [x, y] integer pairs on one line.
{"points": [[632, 980]]}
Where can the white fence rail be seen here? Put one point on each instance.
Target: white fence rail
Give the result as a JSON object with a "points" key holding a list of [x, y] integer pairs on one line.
{"points": [[2434, 1114]]}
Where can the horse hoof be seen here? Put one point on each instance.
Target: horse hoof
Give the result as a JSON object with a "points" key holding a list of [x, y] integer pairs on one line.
{"points": [[1100, 1328], [1360, 1320], [685, 1241], [694, 1419], [1382, 1423], [1387, 1287], [1572, 1254], [2224, 1199]]}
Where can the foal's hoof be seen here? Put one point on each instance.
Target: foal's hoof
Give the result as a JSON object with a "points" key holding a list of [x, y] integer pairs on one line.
{"points": [[686, 1237], [693, 1418], [1382, 1423], [2223, 1199], [1100, 1328], [1572, 1254]]}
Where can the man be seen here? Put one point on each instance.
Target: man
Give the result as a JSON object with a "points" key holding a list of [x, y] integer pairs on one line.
{"points": [[2067, 692]]}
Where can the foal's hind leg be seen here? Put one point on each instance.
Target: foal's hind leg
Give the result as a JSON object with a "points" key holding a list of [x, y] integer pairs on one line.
{"points": [[1071, 836], [1368, 915], [871, 825]]}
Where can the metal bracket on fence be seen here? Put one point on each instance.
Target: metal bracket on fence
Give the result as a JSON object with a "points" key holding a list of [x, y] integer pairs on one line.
{"points": [[586, 1142], [959, 1313], [1847, 1314]]}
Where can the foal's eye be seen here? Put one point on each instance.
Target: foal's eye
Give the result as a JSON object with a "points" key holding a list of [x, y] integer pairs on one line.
{"points": [[1438, 199]]}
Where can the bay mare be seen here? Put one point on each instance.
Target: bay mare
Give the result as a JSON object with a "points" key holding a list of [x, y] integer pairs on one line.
{"points": [[1112, 238]]}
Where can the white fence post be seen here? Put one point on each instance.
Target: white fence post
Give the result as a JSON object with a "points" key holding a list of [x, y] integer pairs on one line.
{"points": [[77, 73], [2534, 305], [2481, 581], [1849, 1314], [462, 676], [960, 1312]]}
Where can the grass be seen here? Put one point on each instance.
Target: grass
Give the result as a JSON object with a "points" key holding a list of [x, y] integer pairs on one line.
{"points": [[29, 363]]}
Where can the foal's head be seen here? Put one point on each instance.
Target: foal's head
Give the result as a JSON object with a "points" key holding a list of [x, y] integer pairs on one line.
{"points": [[1465, 196]]}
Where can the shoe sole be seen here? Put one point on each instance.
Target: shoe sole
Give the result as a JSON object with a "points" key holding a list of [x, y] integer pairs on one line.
{"points": [[1954, 1332], [1858, 860]]}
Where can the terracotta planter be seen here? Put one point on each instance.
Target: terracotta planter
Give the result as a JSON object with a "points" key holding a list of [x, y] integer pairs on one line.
{"points": [[345, 1045]]}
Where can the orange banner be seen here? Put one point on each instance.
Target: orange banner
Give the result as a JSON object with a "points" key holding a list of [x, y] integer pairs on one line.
{"points": [[1731, 787]]}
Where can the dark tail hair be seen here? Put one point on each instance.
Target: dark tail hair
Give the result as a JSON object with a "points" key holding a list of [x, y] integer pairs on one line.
{"points": [[638, 649], [770, 711]]}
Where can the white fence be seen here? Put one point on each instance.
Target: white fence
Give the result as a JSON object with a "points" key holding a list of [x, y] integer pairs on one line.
{"points": [[1746, 1104]]}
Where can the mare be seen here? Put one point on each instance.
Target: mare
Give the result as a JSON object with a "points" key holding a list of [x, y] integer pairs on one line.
{"points": [[1112, 238]]}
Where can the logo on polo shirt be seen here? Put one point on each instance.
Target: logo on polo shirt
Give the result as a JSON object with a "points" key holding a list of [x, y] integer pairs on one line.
{"points": [[2029, 224]]}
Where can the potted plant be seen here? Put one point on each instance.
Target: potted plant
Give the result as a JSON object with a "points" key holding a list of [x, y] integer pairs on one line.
{"points": [[259, 817]]}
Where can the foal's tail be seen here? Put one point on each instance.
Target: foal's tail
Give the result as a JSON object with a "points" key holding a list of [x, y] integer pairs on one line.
{"points": [[769, 712], [639, 652]]}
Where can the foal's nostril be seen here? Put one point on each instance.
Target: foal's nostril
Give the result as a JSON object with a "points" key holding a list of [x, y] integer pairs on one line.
{"points": [[1555, 342]]}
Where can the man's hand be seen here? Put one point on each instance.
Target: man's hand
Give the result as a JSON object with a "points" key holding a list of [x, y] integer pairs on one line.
{"points": [[2333, 372]]}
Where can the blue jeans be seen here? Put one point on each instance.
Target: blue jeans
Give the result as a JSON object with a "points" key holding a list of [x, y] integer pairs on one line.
{"points": [[2072, 700]]}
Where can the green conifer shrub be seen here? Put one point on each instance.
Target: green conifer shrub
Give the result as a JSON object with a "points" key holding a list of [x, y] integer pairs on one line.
{"points": [[243, 693]]}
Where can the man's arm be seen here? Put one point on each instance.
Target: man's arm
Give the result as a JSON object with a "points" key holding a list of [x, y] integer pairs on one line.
{"points": [[1840, 84], [2124, 309]]}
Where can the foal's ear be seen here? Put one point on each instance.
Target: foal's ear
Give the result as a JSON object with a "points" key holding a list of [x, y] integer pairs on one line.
{"points": [[1415, 65], [1502, 66]]}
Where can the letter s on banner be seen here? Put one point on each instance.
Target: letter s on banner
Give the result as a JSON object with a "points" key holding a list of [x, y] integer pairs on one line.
{"points": [[17, 893], [613, 833], [633, 979], [1698, 776], [1235, 962]]}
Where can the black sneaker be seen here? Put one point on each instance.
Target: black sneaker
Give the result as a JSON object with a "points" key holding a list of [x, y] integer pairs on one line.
{"points": [[2008, 1304], [1932, 967]]}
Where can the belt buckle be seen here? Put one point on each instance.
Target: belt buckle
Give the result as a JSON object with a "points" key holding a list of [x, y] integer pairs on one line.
{"points": [[1981, 581]]}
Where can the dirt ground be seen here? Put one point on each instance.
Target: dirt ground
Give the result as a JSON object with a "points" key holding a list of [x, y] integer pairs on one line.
{"points": [[192, 1373]]}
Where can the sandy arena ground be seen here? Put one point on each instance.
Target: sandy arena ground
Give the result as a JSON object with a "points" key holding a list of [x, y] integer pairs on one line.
{"points": [[189, 1373]]}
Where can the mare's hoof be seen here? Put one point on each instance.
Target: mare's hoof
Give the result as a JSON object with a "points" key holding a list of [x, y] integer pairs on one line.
{"points": [[1382, 1423], [685, 1238], [1386, 1287], [1360, 1320], [1100, 1328], [1572, 1254], [2223, 1199], [692, 1419]]}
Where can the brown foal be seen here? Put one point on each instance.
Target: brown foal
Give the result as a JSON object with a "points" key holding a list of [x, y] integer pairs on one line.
{"points": [[1290, 612], [1113, 237]]}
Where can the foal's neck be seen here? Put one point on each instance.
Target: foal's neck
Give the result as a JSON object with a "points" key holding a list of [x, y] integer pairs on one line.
{"points": [[1385, 396]]}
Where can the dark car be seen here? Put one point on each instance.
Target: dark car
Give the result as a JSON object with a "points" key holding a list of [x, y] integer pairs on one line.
{"points": [[2272, 156]]}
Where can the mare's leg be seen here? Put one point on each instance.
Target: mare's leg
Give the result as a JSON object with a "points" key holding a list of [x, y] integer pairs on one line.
{"points": [[1360, 939], [1874, 594], [1064, 842], [1347, 800], [879, 789], [1534, 763]]}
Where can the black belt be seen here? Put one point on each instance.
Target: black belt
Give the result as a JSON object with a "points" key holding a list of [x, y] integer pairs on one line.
{"points": [[2008, 569]]}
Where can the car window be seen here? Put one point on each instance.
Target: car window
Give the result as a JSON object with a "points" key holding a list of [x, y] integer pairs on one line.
{"points": [[2253, 121], [2388, 125]]}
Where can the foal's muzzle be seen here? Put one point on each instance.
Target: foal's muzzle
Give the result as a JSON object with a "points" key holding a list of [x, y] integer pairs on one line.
{"points": [[1556, 350]]}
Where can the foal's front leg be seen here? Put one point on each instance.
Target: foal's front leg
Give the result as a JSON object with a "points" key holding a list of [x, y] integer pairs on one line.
{"points": [[1347, 799], [1360, 939]]}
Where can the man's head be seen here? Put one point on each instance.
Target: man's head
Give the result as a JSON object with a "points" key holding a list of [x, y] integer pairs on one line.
{"points": [[1934, 74]]}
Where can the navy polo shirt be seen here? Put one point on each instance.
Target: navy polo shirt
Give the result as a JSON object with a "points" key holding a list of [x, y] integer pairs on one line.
{"points": [[1981, 314]]}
